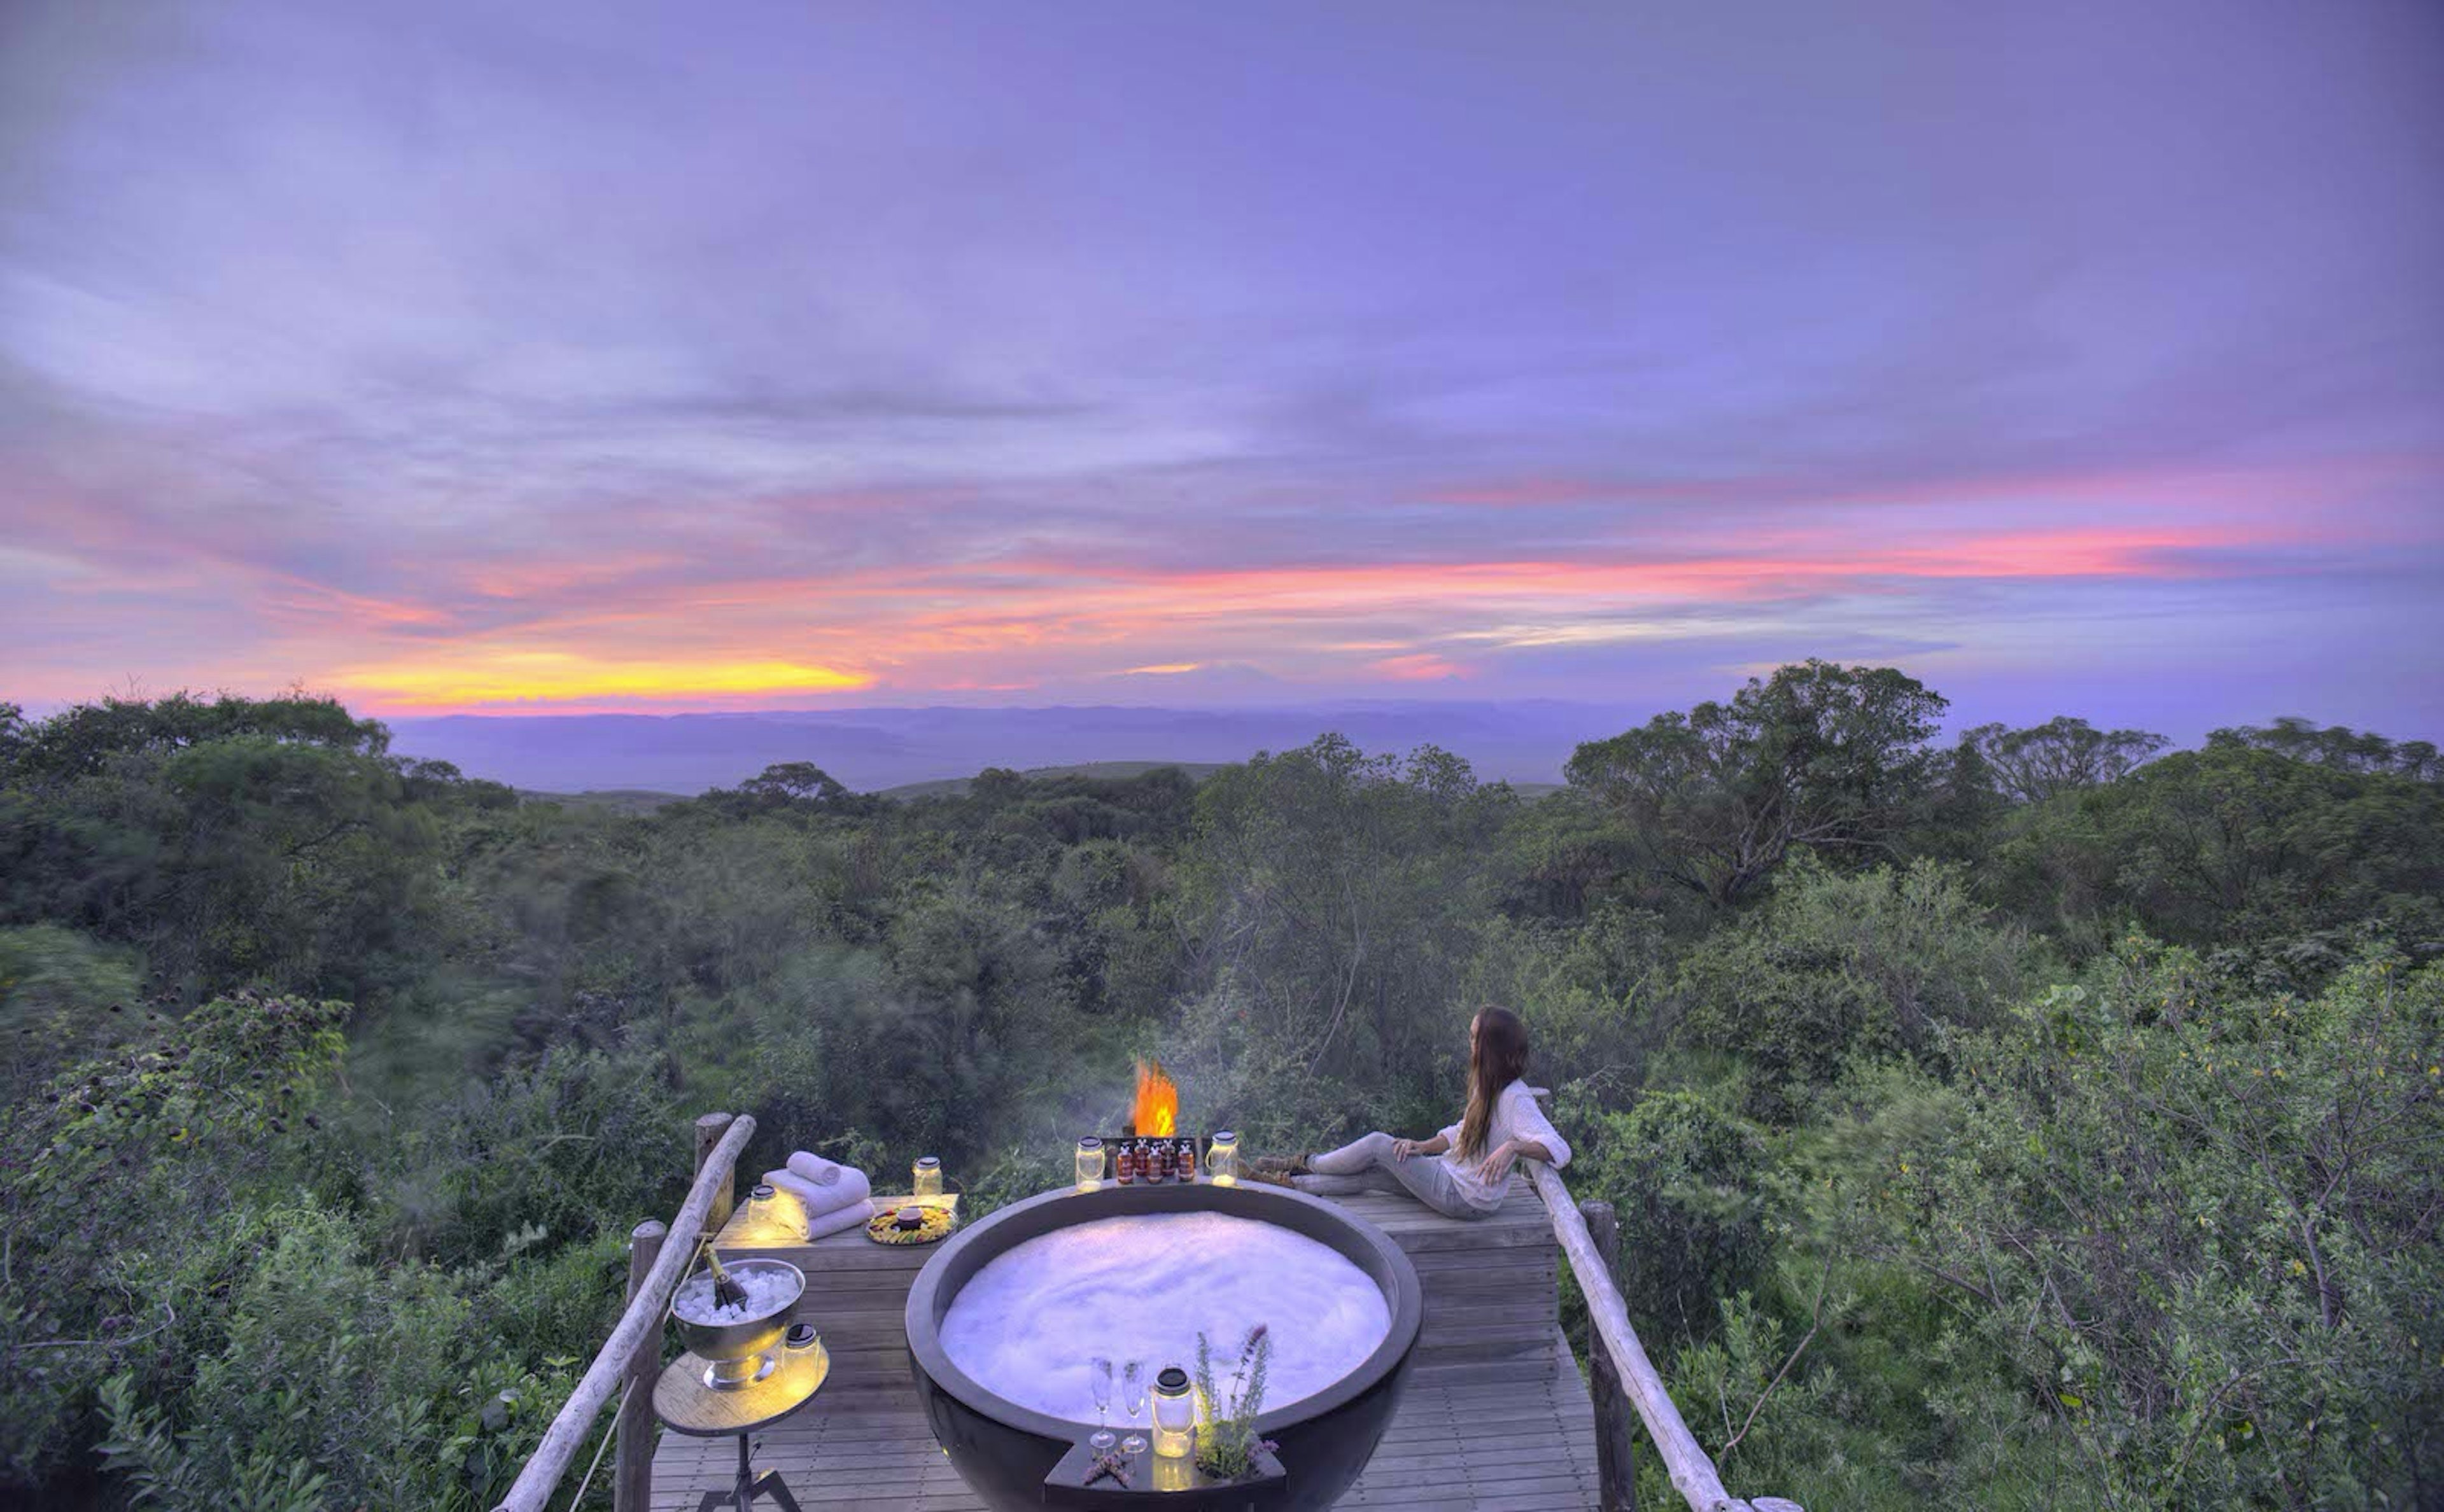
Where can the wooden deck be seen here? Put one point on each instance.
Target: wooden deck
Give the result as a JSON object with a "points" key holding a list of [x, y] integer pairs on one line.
{"points": [[1495, 1415]]}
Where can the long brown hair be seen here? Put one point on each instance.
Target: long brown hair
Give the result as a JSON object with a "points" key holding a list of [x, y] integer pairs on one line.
{"points": [[1498, 1058]]}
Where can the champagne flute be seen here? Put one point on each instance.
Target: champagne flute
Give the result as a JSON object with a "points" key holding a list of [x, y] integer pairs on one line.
{"points": [[1133, 1399], [1099, 1380]]}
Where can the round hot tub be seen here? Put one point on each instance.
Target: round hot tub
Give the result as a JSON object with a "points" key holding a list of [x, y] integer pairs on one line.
{"points": [[1004, 1446]]}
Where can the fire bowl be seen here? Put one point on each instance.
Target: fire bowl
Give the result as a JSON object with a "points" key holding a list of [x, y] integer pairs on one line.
{"points": [[740, 1352], [1003, 1450]]}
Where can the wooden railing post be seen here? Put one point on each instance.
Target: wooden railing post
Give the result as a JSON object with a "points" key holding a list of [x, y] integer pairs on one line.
{"points": [[709, 1131], [1616, 1464], [632, 1481], [639, 1330], [1685, 1460]]}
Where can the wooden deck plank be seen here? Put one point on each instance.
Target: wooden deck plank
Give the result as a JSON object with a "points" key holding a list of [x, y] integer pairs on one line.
{"points": [[1495, 1415], [1498, 1447]]}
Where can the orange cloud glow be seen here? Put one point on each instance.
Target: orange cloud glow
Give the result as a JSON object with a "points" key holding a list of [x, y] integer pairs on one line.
{"points": [[460, 677], [1004, 624], [695, 622]]}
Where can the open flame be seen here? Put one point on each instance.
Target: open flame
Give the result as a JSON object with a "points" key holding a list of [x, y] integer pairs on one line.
{"points": [[1156, 1110]]}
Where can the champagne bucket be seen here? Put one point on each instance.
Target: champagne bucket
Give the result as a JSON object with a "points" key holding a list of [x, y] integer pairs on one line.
{"points": [[741, 1353]]}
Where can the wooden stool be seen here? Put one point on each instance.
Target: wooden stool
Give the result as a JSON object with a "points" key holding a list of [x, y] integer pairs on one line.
{"points": [[686, 1405]]}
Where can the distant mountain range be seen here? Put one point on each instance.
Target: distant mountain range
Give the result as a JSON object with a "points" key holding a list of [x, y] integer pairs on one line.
{"points": [[876, 748]]}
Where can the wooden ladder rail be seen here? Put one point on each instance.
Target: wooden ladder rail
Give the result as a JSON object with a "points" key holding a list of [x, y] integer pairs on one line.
{"points": [[720, 1139], [1691, 1469]]}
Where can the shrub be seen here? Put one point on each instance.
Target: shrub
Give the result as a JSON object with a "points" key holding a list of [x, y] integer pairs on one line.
{"points": [[2200, 1227], [107, 1172], [1687, 1183]]}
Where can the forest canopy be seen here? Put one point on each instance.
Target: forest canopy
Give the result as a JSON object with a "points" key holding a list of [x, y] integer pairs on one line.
{"points": [[2044, 1117]]}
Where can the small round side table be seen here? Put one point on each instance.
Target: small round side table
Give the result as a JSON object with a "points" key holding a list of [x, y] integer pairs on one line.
{"points": [[686, 1405]]}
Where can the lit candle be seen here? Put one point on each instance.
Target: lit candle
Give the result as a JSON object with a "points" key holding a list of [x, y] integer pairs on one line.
{"points": [[925, 1180], [1090, 1163], [1222, 1159], [1174, 1414]]}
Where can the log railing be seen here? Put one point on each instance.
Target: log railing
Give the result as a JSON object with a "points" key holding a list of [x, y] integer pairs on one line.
{"points": [[632, 1354], [1692, 1470]]}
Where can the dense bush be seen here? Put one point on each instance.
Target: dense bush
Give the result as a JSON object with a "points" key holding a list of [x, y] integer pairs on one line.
{"points": [[2202, 1227], [1831, 967], [1941, 1182], [1686, 1185]]}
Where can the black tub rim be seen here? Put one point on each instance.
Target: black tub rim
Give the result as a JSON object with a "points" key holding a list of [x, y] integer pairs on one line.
{"points": [[1063, 1207]]}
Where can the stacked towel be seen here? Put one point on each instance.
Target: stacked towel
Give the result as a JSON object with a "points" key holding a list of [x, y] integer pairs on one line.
{"points": [[833, 1223], [830, 1205], [816, 1169]]}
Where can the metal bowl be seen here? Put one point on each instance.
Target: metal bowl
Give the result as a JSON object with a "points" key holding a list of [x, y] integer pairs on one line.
{"points": [[750, 1336]]}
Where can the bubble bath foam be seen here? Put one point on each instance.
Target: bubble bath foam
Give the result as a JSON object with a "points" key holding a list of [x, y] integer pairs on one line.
{"points": [[1142, 1287]]}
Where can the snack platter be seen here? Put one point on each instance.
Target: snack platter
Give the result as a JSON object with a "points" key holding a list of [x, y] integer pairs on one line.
{"points": [[935, 1218]]}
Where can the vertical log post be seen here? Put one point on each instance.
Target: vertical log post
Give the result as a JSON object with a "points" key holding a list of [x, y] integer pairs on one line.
{"points": [[632, 1481], [709, 1131], [1616, 1464]]}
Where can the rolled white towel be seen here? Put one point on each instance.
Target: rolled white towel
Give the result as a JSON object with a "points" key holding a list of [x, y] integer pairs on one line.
{"points": [[833, 1223], [850, 1191], [816, 1169]]}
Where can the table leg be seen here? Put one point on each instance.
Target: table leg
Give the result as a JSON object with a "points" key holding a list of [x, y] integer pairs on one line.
{"points": [[741, 1490], [749, 1486], [777, 1490]]}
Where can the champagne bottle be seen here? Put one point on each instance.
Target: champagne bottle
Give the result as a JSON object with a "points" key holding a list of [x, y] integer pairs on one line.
{"points": [[726, 1292]]}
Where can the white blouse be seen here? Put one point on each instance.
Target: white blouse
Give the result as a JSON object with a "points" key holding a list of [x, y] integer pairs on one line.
{"points": [[1516, 1115]]}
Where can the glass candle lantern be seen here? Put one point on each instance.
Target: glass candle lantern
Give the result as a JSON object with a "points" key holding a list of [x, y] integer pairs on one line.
{"points": [[1222, 1158], [1090, 1163], [1174, 1414], [760, 1203], [925, 1179]]}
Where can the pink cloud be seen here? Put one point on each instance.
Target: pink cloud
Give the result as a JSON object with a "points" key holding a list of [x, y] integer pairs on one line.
{"points": [[1417, 669]]}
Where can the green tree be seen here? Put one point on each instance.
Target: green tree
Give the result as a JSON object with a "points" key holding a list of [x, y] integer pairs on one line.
{"points": [[2234, 844], [12, 738], [1334, 894], [2058, 756], [2336, 746], [83, 739], [1818, 755]]}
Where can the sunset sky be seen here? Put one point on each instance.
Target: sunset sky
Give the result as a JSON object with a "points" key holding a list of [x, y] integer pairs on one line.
{"points": [[585, 356]]}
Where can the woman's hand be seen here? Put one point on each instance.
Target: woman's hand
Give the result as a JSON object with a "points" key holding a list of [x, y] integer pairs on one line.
{"points": [[1403, 1149], [1497, 1162]]}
